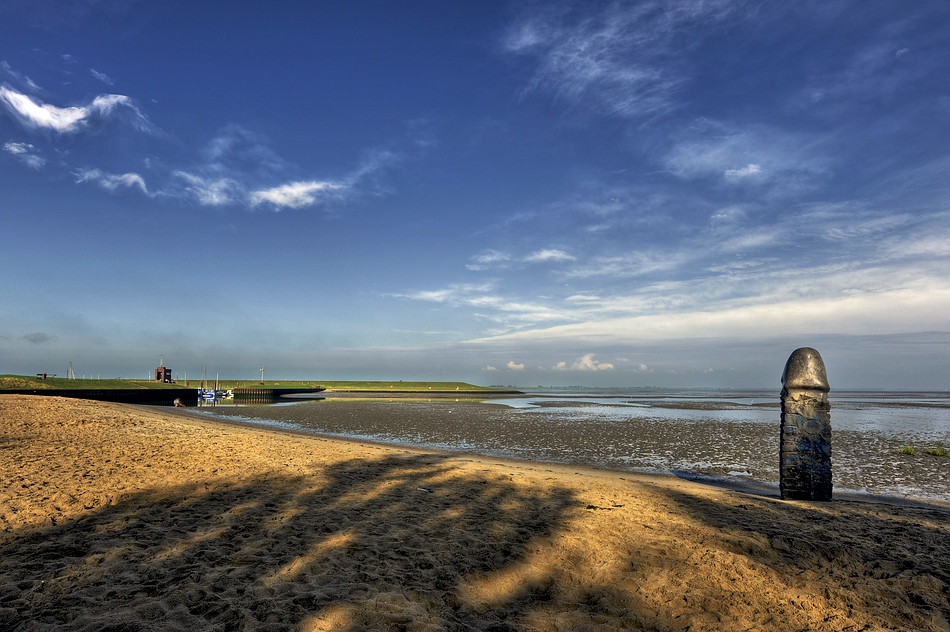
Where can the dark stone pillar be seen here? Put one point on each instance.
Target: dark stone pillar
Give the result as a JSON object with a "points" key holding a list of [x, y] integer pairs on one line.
{"points": [[805, 446]]}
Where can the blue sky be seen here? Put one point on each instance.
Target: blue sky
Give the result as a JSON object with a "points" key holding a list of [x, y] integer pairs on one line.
{"points": [[613, 194]]}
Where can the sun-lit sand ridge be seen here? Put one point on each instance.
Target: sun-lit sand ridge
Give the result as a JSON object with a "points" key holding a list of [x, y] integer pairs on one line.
{"points": [[124, 518]]}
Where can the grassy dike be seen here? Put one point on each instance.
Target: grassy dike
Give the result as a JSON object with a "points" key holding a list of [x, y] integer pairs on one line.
{"points": [[25, 382]]}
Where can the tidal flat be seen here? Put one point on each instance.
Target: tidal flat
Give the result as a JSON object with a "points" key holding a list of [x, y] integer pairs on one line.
{"points": [[730, 438]]}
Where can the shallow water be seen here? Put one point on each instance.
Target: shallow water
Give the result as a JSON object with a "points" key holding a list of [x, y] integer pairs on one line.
{"points": [[691, 434]]}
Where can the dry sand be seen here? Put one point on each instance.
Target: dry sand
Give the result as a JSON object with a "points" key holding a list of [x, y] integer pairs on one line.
{"points": [[121, 518]]}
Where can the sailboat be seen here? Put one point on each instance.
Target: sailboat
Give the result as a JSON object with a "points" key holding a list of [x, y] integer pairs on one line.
{"points": [[204, 392]]}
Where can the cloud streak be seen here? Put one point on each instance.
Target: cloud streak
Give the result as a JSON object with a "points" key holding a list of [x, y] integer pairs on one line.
{"points": [[299, 194], [112, 182], [549, 255], [34, 114]]}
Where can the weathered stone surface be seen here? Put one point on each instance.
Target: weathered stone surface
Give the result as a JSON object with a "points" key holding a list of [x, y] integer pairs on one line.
{"points": [[805, 370], [805, 446]]}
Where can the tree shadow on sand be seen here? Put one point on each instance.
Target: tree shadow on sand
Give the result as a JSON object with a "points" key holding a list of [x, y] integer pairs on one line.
{"points": [[414, 542], [882, 564], [381, 544]]}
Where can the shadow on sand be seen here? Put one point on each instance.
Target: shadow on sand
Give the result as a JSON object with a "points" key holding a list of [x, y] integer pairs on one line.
{"points": [[411, 542], [377, 544]]}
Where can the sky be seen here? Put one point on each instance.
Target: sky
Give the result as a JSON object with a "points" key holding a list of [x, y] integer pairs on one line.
{"points": [[629, 194]]}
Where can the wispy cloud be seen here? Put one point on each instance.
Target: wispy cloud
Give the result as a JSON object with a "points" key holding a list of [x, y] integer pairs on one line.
{"points": [[783, 160], [488, 259], [112, 182], [7, 73], [750, 169], [626, 58], [874, 71], [237, 167], [33, 114], [25, 153], [741, 274], [506, 312], [101, 76], [637, 263], [548, 255], [455, 293], [238, 150], [299, 194], [209, 191], [306, 193]]}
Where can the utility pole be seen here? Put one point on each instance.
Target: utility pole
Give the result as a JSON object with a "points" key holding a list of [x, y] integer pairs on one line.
{"points": [[262, 375]]}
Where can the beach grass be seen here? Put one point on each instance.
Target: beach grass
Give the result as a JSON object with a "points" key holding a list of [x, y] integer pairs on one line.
{"points": [[938, 452], [908, 449]]}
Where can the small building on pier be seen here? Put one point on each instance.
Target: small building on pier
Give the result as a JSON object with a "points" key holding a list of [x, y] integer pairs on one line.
{"points": [[163, 374]]}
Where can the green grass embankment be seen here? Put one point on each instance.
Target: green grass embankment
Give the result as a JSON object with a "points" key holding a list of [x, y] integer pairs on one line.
{"points": [[25, 382]]}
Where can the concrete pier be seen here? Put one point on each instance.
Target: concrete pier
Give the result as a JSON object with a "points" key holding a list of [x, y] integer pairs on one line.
{"points": [[805, 446], [270, 394]]}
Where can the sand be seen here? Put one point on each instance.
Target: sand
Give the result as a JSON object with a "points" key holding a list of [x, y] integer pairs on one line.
{"points": [[114, 517]]}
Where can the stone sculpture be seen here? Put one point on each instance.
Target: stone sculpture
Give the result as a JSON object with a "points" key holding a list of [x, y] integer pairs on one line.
{"points": [[805, 445]]}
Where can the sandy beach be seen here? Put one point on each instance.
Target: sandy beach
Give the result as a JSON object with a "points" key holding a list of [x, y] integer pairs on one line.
{"points": [[114, 517]]}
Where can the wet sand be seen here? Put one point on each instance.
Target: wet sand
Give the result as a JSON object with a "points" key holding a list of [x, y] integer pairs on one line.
{"points": [[727, 444], [114, 517]]}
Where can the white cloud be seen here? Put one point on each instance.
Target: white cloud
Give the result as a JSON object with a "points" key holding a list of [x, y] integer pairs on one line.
{"points": [[750, 169], [454, 294], [588, 363], [489, 367], [488, 259], [25, 153], [34, 114], [876, 302], [112, 182], [633, 264], [515, 367], [18, 148], [548, 254], [212, 192], [101, 76], [301, 194], [298, 194]]}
